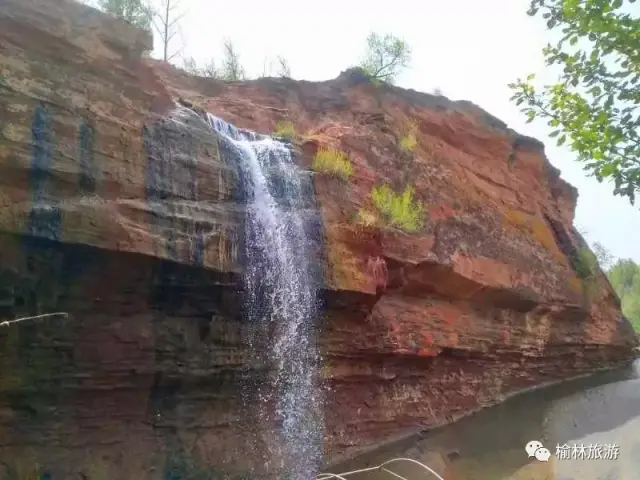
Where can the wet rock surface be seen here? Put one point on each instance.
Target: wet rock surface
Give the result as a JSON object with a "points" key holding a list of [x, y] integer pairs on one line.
{"points": [[118, 206]]}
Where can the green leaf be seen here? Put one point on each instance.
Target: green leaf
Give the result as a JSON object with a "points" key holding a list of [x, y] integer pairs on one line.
{"points": [[608, 170], [531, 114], [595, 104]]}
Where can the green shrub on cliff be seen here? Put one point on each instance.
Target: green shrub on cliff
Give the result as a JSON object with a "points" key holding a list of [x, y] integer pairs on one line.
{"points": [[409, 140], [400, 210], [585, 263], [332, 161], [285, 130]]}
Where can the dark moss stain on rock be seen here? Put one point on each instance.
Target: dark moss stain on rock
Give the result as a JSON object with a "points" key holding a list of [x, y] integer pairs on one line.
{"points": [[45, 216], [88, 168], [171, 187]]}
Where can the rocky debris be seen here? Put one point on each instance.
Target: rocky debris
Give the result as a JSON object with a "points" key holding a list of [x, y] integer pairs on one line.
{"points": [[119, 208]]}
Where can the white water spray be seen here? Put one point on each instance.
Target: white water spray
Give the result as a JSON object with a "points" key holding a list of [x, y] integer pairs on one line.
{"points": [[281, 296]]}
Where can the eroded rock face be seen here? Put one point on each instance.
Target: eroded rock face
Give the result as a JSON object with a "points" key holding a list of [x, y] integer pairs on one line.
{"points": [[118, 207]]}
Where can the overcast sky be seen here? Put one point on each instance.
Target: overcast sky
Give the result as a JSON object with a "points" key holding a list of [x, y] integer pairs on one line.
{"points": [[469, 49]]}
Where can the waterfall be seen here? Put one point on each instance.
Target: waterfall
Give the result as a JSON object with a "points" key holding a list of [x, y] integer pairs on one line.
{"points": [[281, 286]]}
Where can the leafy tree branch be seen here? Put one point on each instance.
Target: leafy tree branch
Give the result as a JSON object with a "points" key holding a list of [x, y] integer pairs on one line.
{"points": [[595, 105]]}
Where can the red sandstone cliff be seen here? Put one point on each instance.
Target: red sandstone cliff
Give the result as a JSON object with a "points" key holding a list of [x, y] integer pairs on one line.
{"points": [[144, 256]]}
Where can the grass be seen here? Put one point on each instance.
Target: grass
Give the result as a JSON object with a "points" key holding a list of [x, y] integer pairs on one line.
{"points": [[400, 210], [285, 130], [333, 162], [409, 140], [408, 143]]}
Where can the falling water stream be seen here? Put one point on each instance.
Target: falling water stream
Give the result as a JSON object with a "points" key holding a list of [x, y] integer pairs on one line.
{"points": [[281, 298]]}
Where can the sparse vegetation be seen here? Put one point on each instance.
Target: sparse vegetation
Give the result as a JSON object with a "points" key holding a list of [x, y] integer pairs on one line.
{"points": [[209, 69], [585, 265], [366, 218], [387, 55], [286, 130], [409, 140], [231, 69], [279, 67], [400, 210], [332, 161]]}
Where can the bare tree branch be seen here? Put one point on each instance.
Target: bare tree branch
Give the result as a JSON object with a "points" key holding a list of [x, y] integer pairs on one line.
{"points": [[166, 25], [284, 69]]}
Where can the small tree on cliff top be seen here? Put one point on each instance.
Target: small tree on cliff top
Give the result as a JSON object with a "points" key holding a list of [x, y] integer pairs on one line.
{"points": [[165, 21], [232, 70], [136, 12], [386, 56], [595, 105], [284, 69]]}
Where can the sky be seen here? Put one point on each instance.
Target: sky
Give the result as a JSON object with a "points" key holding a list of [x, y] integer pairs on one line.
{"points": [[469, 49]]}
